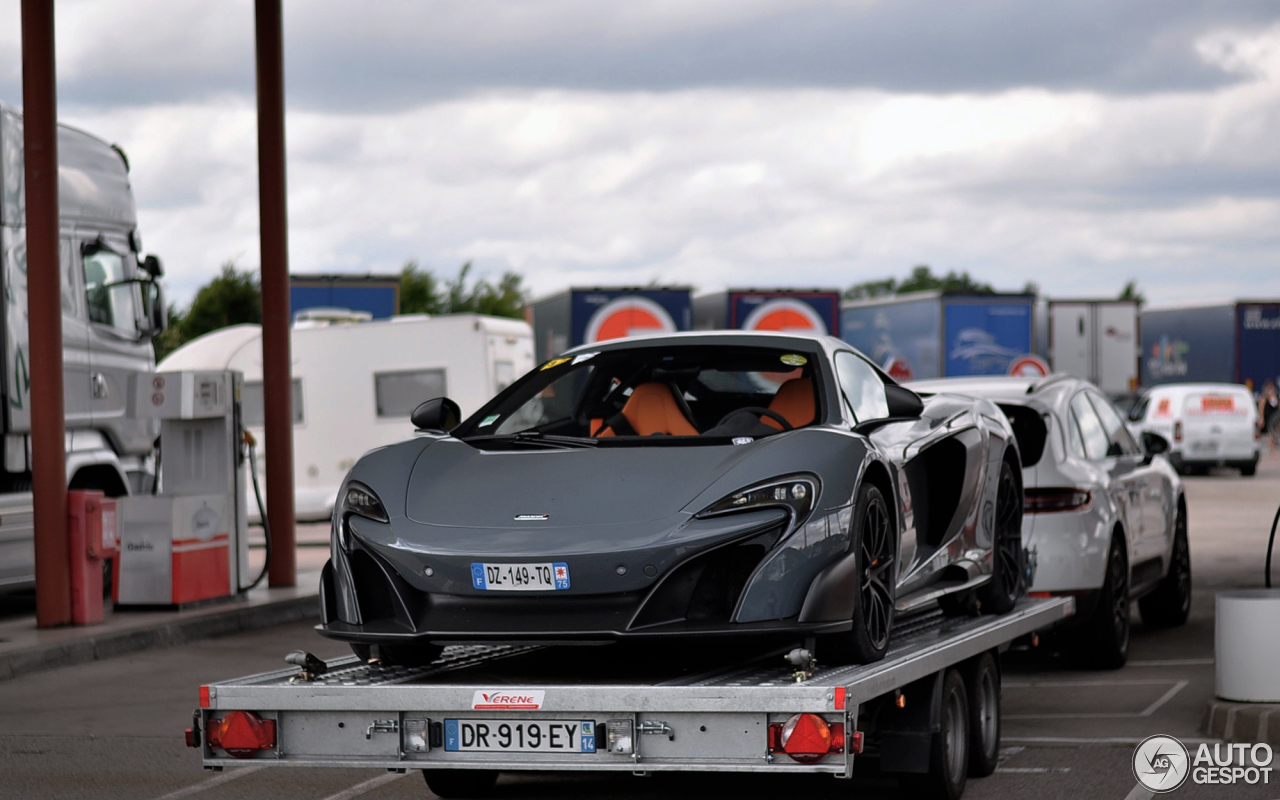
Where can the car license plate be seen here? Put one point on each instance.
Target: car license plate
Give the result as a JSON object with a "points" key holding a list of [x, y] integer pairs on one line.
{"points": [[1204, 447], [520, 577], [519, 736]]}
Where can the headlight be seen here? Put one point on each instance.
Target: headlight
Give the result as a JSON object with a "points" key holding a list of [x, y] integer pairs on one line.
{"points": [[361, 501], [796, 492]]}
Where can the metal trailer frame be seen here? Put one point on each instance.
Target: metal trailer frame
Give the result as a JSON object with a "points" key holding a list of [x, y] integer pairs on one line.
{"points": [[362, 715]]}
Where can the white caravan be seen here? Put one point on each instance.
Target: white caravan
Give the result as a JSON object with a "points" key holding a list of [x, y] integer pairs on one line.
{"points": [[355, 383]]}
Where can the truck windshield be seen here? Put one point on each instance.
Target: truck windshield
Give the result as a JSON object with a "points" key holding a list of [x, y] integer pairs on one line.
{"points": [[110, 301], [644, 394]]}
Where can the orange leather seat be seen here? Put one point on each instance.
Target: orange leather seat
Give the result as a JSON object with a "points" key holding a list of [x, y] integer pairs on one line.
{"points": [[794, 401], [651, 409]]}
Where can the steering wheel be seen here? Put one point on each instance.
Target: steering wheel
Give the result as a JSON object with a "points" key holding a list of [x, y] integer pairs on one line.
{"points": [[774, 415]]}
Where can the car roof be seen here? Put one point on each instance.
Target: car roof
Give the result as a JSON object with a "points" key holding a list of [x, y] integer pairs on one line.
{"points": [[1199, 387], [799, 341]]}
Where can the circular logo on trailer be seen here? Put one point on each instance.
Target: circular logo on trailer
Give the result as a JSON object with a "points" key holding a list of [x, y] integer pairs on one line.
{"points": [[628, 316], [785, 314], [1029, 366], [1161, 763]]}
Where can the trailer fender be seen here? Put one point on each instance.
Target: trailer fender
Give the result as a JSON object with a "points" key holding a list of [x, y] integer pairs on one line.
{"points": [[906, 734]]}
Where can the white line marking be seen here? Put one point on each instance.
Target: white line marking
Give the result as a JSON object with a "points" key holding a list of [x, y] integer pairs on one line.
{"points": [[1068, 684], [1032, 770], [204, 786], [1108, 740], [1164, 698], [366, 786], [1139, 792], [1173, 662]]}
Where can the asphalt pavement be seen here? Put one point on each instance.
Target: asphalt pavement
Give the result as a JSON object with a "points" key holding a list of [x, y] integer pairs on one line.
{"points": [[113, 729]]}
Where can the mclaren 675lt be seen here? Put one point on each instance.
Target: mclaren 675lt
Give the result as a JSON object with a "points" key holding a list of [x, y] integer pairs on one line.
{"points": [[679, 487]]}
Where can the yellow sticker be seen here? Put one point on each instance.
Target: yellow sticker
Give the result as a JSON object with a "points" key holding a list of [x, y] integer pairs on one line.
{"points": [[793, 360], [555, 362]]}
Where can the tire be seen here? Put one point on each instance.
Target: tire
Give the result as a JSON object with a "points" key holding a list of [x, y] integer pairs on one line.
{"points": [[949, 750], [875, 548], [1249, 470], [982, 684], [397, 655], [1102, 642], [1001, 593], [460, 782], [1170, 604]]}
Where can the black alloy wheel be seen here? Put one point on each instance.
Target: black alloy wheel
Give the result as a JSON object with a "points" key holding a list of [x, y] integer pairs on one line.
{"points": [[1103, 641], [1170, 604], [1001, 593], [874, 542]]}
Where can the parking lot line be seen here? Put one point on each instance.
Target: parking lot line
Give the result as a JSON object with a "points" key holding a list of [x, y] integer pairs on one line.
{"points": [[204, 786], [1105, 740], [1173, 662], [1139, 792], [1166, 697], [1177, 686], [367, 786]]}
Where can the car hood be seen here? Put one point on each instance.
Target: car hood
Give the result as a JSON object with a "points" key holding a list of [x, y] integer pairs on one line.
{"points": [[453, 484]]}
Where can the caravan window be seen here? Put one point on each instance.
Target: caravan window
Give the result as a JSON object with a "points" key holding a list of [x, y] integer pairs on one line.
{"points": [[251, 403], [398, 393], [110, 300]]}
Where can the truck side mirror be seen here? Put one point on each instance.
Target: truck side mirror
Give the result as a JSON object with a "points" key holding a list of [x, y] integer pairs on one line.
{"points": [[157, 316], [152, 266], [437, 414]]}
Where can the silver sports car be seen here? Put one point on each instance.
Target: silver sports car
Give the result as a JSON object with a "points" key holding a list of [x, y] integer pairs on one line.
{"points": [[682, 486]]}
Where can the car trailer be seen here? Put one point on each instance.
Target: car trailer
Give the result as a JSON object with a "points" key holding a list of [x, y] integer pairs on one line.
{"points": [[929, 711]]}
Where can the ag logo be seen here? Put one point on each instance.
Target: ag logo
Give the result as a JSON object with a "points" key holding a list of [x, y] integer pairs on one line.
{"points": [[1161, 763]]}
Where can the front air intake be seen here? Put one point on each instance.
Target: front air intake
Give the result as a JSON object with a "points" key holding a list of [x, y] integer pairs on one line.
{"points": [[373, 591]]}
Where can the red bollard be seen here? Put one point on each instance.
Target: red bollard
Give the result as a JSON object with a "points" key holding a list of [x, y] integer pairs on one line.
{"points": [[84, 526]]}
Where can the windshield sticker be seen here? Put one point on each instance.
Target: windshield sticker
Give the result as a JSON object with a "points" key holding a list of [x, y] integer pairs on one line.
{"points": [[793, 360], [489, 420], [584, 357], [555, 362], [742, 440]]}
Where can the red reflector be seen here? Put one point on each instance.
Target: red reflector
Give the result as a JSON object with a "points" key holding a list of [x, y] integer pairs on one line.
{"points": [[806, 738], [204, 696], [839, 698], [855, 743], [1177, 431], [241, 734], [1051, 499], [191, 738], [1039, 594]]}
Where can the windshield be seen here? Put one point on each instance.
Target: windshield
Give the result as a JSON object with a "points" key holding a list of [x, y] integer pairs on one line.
{"points": [[650, 393]]}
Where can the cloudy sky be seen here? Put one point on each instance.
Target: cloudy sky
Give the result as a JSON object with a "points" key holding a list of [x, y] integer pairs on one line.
{"points": [[713, 143]]}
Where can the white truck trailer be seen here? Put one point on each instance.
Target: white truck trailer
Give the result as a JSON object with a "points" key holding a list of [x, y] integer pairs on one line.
{"points": [[929, 712], [112, 306], [355, 383]]}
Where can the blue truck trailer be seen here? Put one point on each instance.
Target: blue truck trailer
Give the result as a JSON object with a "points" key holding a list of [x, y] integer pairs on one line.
{"points": [[935, 335], [1236, 342], [581, 316], [376, 295], [793, 310]]}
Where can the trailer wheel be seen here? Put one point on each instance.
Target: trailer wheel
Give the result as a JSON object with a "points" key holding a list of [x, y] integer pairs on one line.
{"points": [[449, 783], [949, 752], [982, 684]]}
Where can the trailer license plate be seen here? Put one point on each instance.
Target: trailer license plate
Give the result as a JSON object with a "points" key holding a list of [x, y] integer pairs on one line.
{"points": [[519, 736], [520, 577]]}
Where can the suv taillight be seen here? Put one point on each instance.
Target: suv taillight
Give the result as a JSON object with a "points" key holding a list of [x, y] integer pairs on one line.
{"points": [[1048, 500], [1177, 431]]}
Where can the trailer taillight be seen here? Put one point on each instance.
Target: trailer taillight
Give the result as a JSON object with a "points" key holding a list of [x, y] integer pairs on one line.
{"points": [[1177, 431], [807, 738], [1051, 499], [241, 734]]}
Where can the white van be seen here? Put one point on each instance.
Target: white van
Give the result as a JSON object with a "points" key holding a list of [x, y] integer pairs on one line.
{"points": [[355, 383], [1207, 424]]}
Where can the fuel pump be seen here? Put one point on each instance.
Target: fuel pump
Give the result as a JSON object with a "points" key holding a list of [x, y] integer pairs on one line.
{"points": [[188, 543]]}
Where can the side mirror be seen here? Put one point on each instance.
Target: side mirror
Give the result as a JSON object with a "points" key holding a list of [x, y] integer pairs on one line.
{"points": [[152, 266], [902, 401], [1154, 444], [436, 414], [154, 308]]}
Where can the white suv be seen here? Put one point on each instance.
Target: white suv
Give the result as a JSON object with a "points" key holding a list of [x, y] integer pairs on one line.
{"points": [[1207, 424]]}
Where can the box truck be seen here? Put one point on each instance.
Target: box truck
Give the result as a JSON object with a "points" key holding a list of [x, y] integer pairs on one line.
{"points": [[581, 316], [112, 306], [1235, 342], [934, 335], [792, 310], [1096, 340], [356, 383]]}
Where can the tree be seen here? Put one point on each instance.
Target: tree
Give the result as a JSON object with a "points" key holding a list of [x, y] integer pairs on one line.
{"points": [[1132, 292], [921, 279], [421, 292], [232, 298]]}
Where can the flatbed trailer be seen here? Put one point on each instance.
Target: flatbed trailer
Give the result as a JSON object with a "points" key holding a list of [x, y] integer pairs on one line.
{"points": [[479, 710]]}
